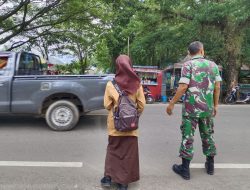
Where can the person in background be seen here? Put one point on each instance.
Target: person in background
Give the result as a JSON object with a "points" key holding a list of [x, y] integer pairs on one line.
{"points": [[200, 80], [3, 62], [122, 158]]}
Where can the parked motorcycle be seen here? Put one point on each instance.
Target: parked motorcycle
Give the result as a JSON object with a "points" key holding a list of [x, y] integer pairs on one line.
{"points": [[148, 95], [237, 97], [173, 94]]}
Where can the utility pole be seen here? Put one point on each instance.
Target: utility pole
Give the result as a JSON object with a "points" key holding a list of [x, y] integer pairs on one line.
{"points": [[128, 46]]}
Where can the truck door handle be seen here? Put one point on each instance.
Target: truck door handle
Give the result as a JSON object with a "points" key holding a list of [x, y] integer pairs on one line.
{"points": [[1, 84]]}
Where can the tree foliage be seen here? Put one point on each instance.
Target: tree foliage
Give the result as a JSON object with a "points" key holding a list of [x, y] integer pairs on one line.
{"points": [[152, 32], [162, 30], [56, 26]]}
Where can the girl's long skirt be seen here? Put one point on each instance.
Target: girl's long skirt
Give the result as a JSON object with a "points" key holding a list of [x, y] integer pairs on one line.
{"points": [[122, 159]]}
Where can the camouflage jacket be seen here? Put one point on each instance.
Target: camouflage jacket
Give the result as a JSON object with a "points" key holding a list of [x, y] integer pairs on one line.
{"points": [[200, 75]]}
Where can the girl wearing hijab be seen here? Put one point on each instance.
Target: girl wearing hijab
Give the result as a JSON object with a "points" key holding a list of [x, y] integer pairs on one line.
{"points": [[122, 159]]}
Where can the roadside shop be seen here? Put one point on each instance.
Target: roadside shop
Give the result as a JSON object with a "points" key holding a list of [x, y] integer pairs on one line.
{"points": [[172, 75], [151, 77]]}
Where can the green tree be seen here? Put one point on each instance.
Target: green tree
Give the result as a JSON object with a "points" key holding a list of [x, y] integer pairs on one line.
{"points": [[102, 56], [227, 19], [164, 28], [121, 13], [21, 17], [246, 48], [26, 21]]}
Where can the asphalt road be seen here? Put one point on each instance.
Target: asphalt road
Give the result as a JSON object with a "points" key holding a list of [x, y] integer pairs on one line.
{"points": [[29, 139]]}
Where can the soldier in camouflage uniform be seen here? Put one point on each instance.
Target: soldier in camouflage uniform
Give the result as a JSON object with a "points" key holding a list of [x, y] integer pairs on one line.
{"points": [[200, 82]]}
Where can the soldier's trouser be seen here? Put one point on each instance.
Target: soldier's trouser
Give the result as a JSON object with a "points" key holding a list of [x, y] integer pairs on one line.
{"points": [[206, 128]]}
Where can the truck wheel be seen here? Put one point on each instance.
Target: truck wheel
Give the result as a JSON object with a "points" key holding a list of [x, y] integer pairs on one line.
{"points": [[62, 115]]}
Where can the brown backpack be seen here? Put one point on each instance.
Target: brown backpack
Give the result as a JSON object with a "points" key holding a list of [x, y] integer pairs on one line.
{"points": [[126, 117]]}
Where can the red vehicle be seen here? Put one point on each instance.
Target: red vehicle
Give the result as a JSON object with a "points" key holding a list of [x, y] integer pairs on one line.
{"points": [[151, 78]]}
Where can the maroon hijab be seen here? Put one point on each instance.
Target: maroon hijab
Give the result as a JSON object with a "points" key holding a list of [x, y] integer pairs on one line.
{"points": [[125, 77]]}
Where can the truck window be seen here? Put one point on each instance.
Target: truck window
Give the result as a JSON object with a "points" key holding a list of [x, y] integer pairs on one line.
{"points": [[3, 64], [29, 64]]}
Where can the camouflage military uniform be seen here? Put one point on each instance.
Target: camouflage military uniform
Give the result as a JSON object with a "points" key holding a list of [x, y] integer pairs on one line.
{"points": [[200, 75]]}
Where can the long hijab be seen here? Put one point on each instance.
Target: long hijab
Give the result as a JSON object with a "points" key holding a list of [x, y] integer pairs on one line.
{"points": [[125, 77]]}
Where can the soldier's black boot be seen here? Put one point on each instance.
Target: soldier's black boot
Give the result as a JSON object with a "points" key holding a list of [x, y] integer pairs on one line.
{"points": [[122, 187], [209, 165], [106, 181], [183, 169]]}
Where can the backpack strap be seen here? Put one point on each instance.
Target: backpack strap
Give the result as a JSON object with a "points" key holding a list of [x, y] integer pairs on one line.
{"points": [[116, 112], [121, 93]]}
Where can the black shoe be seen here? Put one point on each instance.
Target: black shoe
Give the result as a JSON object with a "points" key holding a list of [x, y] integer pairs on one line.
{"points": [[183, 169], [122, 187], [106, 181], [209, 165]]}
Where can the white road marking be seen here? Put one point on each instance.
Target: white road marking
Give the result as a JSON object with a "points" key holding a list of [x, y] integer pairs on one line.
{"points": [[41, 164], [222, 166], [80, 164]]}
